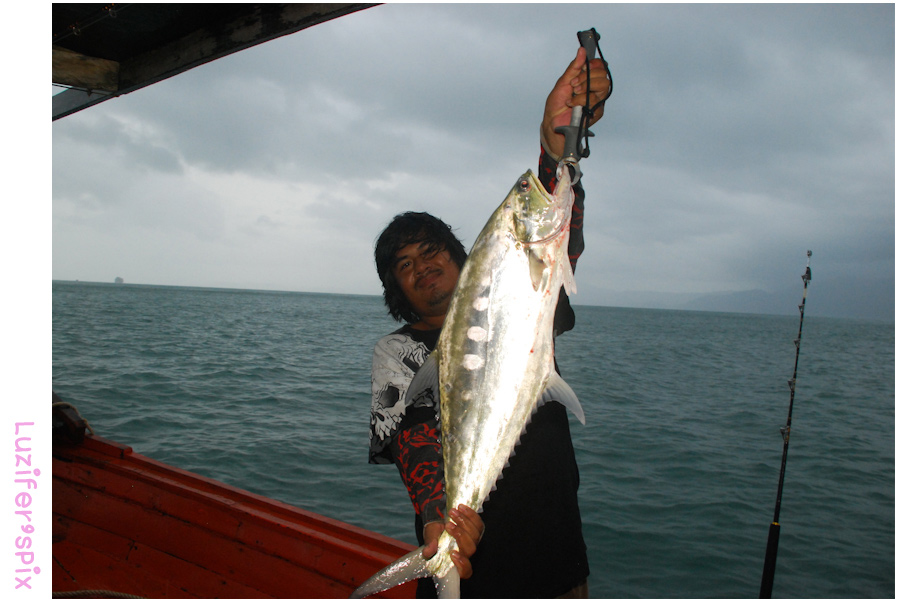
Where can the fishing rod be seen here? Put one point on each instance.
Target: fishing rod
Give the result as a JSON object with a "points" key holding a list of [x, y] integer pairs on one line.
{"points": [[768, 577]]}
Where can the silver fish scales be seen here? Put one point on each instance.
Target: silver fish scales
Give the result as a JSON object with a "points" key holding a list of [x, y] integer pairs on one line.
{"points": [[493, 363]]}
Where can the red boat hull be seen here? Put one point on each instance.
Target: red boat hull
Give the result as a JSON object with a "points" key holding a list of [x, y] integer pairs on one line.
{"points": [[125, 523]]}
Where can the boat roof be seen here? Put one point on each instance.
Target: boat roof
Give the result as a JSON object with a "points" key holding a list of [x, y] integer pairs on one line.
{"points": [[101, 51]]}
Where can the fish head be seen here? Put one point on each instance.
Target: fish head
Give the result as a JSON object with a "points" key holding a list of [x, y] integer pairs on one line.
{"points": [[537, 215]]}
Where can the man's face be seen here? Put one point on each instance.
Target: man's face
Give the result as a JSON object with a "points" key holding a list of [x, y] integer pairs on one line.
{"points": [[427, 277]]}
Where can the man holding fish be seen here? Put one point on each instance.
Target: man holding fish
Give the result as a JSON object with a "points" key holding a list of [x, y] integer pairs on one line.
{"points": [[527, 540]]}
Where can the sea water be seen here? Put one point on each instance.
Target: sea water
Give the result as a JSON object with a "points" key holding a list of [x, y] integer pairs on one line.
{"points": [[679, 460]]}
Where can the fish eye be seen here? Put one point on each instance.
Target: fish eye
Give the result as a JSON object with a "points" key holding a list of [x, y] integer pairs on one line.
{"points": [[524, 185]]}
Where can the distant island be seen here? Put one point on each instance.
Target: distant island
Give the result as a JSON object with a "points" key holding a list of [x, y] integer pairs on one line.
{"points": [[119, 280]]}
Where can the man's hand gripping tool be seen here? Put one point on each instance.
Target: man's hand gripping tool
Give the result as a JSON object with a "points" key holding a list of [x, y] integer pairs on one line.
{"points": [[576, 132]]}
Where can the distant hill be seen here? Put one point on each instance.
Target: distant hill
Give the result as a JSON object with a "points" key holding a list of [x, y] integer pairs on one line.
{"points": [[863, 299], [748, 302]]}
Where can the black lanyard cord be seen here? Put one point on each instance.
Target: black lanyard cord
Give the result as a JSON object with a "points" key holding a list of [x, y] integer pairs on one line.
{"points": [[590, 39]]}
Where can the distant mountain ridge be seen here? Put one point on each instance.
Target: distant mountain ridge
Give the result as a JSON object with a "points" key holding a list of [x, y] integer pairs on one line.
{"points": [[756, 301], [862, 300]]}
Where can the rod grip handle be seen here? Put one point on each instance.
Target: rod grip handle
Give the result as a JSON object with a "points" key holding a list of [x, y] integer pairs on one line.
{"points": [[768, 576]]}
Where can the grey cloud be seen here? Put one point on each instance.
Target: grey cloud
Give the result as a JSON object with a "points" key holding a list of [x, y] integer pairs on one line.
{"points": [[736, 135]]}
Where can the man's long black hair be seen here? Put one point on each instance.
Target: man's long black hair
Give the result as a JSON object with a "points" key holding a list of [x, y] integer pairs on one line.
{"points": [[405, 229]]}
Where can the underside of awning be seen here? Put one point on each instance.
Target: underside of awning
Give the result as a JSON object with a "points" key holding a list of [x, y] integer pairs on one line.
{"points": [[101, 51]]}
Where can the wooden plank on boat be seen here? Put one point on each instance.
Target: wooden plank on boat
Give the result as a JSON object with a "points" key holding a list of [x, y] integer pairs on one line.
{"points": [[127, 523]]}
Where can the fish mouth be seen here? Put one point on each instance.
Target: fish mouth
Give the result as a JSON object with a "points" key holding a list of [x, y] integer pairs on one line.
{"points": [[542, 217]]}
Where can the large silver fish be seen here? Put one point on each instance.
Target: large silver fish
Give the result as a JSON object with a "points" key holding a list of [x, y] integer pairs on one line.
{"points": [[494, 358]]}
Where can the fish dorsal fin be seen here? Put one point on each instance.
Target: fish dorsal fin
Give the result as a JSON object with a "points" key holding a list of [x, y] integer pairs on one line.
{"points": [[426, 377], [559, 390]]}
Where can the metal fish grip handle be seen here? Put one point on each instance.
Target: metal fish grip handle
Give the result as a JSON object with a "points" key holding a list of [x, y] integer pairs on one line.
{"points": [[576, 133]]}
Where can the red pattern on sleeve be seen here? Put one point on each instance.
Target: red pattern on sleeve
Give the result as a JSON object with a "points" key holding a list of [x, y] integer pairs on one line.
{"points": [[418, 458]]}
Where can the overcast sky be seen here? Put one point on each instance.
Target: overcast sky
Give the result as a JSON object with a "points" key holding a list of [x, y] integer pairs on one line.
{"points": [[737, 137]]}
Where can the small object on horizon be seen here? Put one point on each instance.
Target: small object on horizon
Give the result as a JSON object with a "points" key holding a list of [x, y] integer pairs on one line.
{"points": [[119, 280]]}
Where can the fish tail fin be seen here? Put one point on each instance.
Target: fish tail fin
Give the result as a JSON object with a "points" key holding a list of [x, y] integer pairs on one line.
{"points": [[448, 585], [406, 568]]}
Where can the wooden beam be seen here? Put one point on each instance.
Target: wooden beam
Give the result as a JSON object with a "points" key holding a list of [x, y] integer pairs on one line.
{"points": [[262, 23], [80, 71], [266, 22]]}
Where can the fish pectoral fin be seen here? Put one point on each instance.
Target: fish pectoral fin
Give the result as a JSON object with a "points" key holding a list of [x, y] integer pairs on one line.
{"points": [[406, 568], [540, 272], [559, 390], [568, 277]]}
